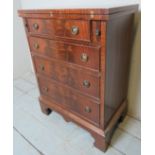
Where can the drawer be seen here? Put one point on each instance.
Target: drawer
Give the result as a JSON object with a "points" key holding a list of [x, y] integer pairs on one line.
{"points": [[79, 104], [84, 82], [70, 29], [86, 56]]}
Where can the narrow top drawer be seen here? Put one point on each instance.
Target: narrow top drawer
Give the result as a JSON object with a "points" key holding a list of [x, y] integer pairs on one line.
{"points": [[70, 29]]}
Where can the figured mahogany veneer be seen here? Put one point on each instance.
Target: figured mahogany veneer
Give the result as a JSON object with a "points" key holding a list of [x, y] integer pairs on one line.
{"points": [[66, 75], [66, 52], [81, 59], [69, 98], [60, 28]]}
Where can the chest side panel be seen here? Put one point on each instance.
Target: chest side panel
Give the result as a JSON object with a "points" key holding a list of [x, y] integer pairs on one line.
{"points": [[118, 51]]}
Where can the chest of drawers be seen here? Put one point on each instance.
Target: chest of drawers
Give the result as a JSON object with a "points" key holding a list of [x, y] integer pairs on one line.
{"points": [[81, 60]]}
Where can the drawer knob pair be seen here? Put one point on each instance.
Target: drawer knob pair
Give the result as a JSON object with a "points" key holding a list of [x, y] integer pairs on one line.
{"points": [[35, 26], [74, 30], [87, 109], [84, 57]]}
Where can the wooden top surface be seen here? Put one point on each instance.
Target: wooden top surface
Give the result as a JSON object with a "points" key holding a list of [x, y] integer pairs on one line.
{"points": [[85, 11]]}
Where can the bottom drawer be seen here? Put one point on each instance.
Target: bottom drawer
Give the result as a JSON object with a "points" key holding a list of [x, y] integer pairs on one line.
{"points": [[66, 97]]}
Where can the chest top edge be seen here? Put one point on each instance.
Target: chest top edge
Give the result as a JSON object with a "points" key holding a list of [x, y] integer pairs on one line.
{"points": [[80, 11]]}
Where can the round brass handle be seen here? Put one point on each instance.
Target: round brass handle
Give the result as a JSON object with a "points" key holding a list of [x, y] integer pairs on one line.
{"points": [[84, 57], [87, 109], [35, 26], [74, 30], [42, 67], [46, 89], [36, 45], [86, 83], [98, 32]]}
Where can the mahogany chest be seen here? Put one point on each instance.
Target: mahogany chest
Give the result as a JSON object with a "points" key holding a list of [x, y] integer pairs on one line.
{"points": [[81, 59]]}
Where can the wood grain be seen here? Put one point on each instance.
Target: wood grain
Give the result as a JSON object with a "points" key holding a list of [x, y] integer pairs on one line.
{"points": [[66, 52], [119, 35], [60, 28], [67, 76], [68, 98], [90, 91]]}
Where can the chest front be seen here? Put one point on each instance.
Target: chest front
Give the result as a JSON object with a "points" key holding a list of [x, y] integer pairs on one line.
{"points": [[81, 60]]}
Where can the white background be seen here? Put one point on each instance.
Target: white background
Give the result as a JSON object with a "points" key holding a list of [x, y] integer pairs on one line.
{"points": [[29, 4]]}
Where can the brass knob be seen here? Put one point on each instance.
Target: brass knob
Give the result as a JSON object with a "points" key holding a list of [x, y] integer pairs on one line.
{"points": [[35, 26], [87, 109], [84, 57], [98, 32], [36, 45], [46, 89], [86, 83], [75, 30], [42, 67]]}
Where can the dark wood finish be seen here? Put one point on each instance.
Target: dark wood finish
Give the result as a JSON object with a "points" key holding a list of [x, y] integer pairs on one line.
{"points": [[103, 72], [82, 11], [69, 98], [96, 32], [71, 53], [119, 32], [82, 14], [81, 59], [60, 28], [66, 75]]}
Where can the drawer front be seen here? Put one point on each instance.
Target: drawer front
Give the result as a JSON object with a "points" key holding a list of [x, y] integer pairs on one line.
{"points": [[86, 56], [66, 97], [71, 29], [74, 78]]}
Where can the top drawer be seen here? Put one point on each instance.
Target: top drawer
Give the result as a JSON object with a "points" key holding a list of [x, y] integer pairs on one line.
{"points": [[71, 29]]}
